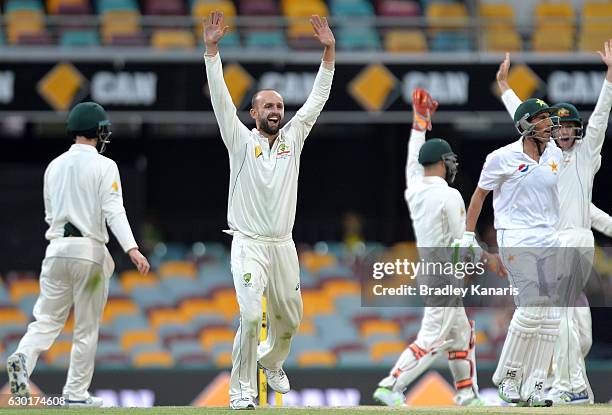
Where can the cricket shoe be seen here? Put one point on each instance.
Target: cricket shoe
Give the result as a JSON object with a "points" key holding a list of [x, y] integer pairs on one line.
{"points": [[571, 398], [508, 391], [468, 399], [277, 380], [536, 399], [388, 397], [242, 403], [18, 375], [90, 402]]}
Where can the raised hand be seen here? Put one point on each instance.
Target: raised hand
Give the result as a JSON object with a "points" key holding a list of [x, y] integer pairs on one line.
{"points": [[423, 108], [322, 31], [214, 29], [502, 74], [606, 58]]}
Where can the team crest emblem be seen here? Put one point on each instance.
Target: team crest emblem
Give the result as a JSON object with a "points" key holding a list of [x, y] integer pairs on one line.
{"points": [[247, 279], [283, 150], [563, 112]]}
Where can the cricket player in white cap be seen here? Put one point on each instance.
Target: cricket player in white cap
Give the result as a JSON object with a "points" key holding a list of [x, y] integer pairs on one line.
{"points": [[438, 217], [523, 177], [264, 168], [582, 158], [82, 194]]}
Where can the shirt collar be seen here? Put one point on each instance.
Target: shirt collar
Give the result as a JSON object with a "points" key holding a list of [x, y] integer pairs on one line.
{"points": [[83, 147], [517, 146], [434, 180]]}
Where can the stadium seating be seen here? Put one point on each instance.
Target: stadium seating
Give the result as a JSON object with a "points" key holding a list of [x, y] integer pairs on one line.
{"points": [[596, 27], [402, 40]]}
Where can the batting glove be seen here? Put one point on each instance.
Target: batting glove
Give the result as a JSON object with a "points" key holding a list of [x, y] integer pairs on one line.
{"points": [[466, 249]]}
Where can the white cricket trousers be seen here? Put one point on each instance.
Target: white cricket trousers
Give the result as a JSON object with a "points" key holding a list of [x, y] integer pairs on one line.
{"points": [[575, 329], [263, 268], [64, 282]]}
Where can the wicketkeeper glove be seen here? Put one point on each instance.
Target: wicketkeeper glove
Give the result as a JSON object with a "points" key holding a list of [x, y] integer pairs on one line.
{"points": [[423, 107]]}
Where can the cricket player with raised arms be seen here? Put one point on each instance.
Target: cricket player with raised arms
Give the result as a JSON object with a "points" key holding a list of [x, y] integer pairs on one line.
{"points": [[581, 155], [264, 168], [82, 195]]}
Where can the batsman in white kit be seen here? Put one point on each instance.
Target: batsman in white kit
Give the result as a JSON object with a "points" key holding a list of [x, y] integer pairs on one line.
{"points": [[82, 194], [582, 158], [264, 168], [438, 217], [523, 177]]}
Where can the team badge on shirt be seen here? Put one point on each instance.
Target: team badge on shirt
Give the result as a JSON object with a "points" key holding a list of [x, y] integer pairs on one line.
{"points": [[283, 151], [258, 151], [553, 166], [247, 280], [115, 186]]}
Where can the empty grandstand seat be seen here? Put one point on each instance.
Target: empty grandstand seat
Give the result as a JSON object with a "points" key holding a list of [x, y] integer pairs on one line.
{"points": [[265, 39], [163, 316], [164, 7], [403, 40], [553, 40], [226, 303], [196, 307], [405, 8], [450, 42], [496, 16], [12, 316], [379, 351], [334, 288], [152, 296], [188, 353], [153, 359], [446, 16], [358, 38], [215, 335], [12, 5], [21, 23], [554, 15], [351, 8], [121, 27], [133, 338], [171, 269], [318, 358], [508, 40], [372, 327], [299, 8], [132, 278], [353, 358], [118, 307], [23, 288], [307, 327], [593, 41], [316, 302], [67, 6], [313, 261], [258, 8], [126, 322], [181, 288], [104, 6], [172, 39], [597, 16]]}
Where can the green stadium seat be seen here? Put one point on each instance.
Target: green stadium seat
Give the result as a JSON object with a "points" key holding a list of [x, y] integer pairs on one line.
{"points": [[358, 38], [351, 8], [79, 38], [266, 39], [13, 5], [112, 5]]}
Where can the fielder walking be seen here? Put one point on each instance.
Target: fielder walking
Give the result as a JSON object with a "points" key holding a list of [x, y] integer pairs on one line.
{"points": [[82, 194], [264, 168], [582, 158]]}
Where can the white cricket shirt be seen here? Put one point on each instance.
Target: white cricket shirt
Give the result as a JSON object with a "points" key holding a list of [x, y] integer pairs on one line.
{"points": [[437, 210], [263, 181], [581, 163], [83, 187], [525, 193]]}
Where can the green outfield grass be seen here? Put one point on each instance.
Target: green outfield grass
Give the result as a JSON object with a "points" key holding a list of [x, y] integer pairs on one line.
{"points": [[600, 409]]}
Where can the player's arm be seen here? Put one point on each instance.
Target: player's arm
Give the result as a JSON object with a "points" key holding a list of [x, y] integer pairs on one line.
{"points": [[47, 199], [223, 106], [111, 197], [601, 221], [305, 117], [509, 98], [598, 121]]}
